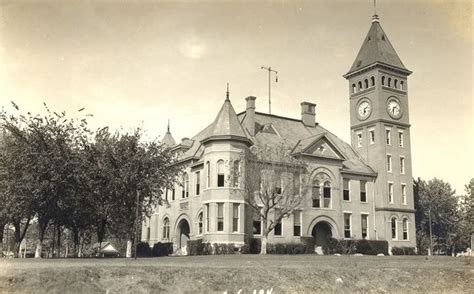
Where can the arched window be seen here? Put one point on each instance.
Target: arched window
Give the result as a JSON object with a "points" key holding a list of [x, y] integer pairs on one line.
{"points": [[366, 82], [208, 174], [354, 88], [220, 173], [372, 81], [185, 192], [395, 84], [360, 85], [389, 82], [199, 221], [405, 229], [316, 193], [166, 229], [393, 224], [236, 173], [327, 195], [402, 85], [383, 80]]}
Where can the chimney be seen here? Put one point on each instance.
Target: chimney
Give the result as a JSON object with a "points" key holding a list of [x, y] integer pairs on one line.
{"points": [[250, 115], [308, 114]]}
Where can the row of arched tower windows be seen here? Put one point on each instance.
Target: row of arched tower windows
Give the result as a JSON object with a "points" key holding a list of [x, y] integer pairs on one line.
{"points": [[362, 85], [385, 81], [393, 83]]}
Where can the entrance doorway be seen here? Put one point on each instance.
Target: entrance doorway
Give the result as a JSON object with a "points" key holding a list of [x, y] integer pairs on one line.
{"points": [[183, 233], [321, 233]]}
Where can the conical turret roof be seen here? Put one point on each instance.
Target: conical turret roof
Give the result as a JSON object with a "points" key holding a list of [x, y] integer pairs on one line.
{"points": [[377, 49], [226, 126], [168, 139]]}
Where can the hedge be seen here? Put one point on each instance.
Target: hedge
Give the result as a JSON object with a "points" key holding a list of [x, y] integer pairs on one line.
{"points": [[197, 247], [253, 246], [367, 247], [403, 251], [162, 249], [143, 249]]}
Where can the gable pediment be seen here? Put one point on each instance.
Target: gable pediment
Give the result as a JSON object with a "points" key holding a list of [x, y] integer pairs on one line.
{"points": [[321, 146]]}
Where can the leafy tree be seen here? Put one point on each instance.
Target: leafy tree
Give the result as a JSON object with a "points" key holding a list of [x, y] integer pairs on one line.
{"points": [[436, 208], [465, 227], [274, 184]]}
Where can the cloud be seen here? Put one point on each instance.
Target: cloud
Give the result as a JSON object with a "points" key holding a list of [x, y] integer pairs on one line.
{"points": [[193, 48]]}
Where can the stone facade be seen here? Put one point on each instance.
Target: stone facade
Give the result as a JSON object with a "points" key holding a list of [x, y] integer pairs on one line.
{"points": [[361, 190]]}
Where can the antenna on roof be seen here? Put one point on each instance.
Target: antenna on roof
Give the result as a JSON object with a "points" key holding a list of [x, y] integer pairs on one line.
{"points": [[168, 125], [270, 71], [227, 93]]}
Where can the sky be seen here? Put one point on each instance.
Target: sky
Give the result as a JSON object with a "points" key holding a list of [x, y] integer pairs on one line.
{"points": [[140, 63]]}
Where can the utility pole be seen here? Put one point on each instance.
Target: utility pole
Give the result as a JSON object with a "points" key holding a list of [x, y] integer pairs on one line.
{"points": [[136, 223], [270, 71]]}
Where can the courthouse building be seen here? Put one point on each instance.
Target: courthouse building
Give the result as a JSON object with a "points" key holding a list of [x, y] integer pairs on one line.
{"points": [[361, 190]]}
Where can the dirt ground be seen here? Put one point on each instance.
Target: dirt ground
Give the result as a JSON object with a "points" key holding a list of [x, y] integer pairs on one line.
{"points": [[207, 274]]}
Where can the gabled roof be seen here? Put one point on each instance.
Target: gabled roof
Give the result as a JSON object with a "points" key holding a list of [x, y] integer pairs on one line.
{"points": [[319, 146], [376, 48], [226, 126]]}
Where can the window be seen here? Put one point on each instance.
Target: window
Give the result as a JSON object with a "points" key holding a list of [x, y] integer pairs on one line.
{"points": [[236, 173], [297, 223], [388, 136], [402, 165], [316, 193], [404, 194], [220, 173], [360, 85], [200, 223], [389, 82], [207, 217], [185, 191], [364, 219], [354, 89], [198, 183], [257, 223], [393, 224], [220, 217], [347, 225], [405, 229], [366, 83], [277, 231], [402, 86], [235, 217], [372, 81], [390, 192], [173, 194], [395, 84], [389, 163], [166, 229], [363, 192], [327, 195], [148, 232], [359, 139], [400, 138], [383, 80], [278, 183], [208, 174], [166, 194], [345, 190], [372, 136]]}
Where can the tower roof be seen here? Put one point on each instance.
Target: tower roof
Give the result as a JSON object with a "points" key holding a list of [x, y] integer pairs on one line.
{"points": [[377, 49], [226, 126], [168, 139]]}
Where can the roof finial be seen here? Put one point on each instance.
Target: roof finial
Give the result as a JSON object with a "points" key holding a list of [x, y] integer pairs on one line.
{"points": [[375, 17], [227, 93], [168, 126]]}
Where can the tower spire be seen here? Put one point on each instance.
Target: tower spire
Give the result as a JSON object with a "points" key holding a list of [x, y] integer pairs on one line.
{"points": [[168, 128], [227, 93], [375, 17]]}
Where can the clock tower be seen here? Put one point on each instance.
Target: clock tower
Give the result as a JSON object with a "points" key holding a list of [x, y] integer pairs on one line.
{"points": [[380, 132]]}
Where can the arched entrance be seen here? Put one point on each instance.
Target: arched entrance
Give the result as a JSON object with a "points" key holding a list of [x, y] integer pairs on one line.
{"points": [[321, 233], [183, 233]]}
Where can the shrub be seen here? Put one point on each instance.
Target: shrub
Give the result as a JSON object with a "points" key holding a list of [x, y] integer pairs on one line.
{"points": [[252, 246], [221, 249], [368, 247], [195, 247], [403, 251], [371, 247], [162, 249], [143, 249], [308, 243]]}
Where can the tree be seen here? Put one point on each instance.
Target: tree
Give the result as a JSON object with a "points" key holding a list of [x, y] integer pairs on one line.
{"points": [[465, 227], [436, 215], [274, 184]]}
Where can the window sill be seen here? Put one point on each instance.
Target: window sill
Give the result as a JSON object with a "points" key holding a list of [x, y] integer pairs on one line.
{"points": [[279, 236]]}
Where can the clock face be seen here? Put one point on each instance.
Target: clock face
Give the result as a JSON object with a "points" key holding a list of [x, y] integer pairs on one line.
{"points": [[393, 108], [364, 109]]}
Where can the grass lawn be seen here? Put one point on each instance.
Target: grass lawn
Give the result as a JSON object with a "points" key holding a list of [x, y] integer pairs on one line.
{"points": [[204, 274]]}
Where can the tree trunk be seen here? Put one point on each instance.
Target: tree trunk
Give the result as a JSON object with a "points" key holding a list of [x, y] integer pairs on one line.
{"points": [[81, 242], [263, 249], [2, 227], [128, 253], [19, 235], [39, 242], [39, 248], [58, 229]]}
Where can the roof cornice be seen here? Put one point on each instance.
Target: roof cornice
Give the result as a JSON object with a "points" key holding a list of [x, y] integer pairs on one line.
{"points": [[377, 64]]}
